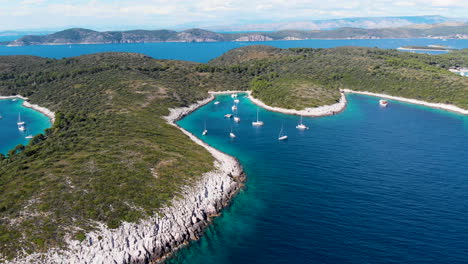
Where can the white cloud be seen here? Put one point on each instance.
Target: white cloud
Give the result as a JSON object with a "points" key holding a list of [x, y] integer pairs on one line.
{"points": [[170, 13]]}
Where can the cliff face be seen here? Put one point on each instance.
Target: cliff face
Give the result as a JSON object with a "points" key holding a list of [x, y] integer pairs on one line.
{"points": [[155, 238]]}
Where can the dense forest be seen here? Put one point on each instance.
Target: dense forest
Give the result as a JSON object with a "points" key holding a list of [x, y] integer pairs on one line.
{"points": [[110, 156]]}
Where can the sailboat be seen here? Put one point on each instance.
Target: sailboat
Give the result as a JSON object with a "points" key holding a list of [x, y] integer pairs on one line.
{"points": [[234, 107], [258, 122], [234, 95], [236, 119], [28, 135], [216, 103], [20, 123], [232, 135], [236, 101], [301, 125], [281, 135], [205, 131]]}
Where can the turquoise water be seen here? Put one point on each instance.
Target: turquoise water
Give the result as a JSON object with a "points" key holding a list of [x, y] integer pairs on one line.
{"points": [[10, 136], [369, 185], [203, 52]]}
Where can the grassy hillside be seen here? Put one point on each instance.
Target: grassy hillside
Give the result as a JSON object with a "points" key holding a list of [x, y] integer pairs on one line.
{"points": [[299, 78], [110, 157]]}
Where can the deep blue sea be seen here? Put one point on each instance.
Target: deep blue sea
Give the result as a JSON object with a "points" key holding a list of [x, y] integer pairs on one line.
{"points": [[203, 52], [10, 136], [368, 185]]}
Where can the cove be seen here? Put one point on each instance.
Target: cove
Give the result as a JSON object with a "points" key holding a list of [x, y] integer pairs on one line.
{"points": [[10, 136], [368, 185]]}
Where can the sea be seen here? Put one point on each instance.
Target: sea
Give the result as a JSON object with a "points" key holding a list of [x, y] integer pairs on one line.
{"points": [[205, 51], [368, 185], [11, 110]]}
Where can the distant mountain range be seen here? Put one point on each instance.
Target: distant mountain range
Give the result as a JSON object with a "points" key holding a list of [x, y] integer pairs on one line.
{"points": [[86, 36], [359, 22]]}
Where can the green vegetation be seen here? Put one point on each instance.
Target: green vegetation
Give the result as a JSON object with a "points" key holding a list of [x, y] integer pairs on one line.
{"points": [[110, 157], [299, 78]]}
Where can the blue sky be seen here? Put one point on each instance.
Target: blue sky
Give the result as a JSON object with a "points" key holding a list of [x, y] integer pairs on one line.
{"points": [[124, 14]]}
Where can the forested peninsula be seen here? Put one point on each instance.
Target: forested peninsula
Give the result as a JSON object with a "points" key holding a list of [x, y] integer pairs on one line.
{"points": [[112, 160], [87, 36]]}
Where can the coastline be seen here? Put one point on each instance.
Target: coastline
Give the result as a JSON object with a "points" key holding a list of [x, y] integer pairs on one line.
{"points": [[445, 50], [288, 38], [153, 239], [333, 109], [45, 111], [324, 110], [447, 107]]}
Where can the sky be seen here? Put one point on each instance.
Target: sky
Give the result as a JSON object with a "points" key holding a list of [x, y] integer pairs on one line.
{"points": [[179, 14]]}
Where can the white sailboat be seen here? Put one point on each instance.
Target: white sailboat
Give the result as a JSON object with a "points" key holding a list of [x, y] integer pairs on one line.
{"points": [[231, 134], [20, 122], [301, 125], [281, 135], [258, 122], [216, 103], [234, 108], [204, 131], [28, 135], [236, 101], [237, 119], [234, 95], [21, 128], [228, 115]]}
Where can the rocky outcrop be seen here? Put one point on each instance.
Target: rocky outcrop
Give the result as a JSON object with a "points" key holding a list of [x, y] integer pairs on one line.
{"points": [[154, 238]]}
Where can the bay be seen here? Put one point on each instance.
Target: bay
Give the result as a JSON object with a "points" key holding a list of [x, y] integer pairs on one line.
{"points": [[10, 136], [369, 185]]}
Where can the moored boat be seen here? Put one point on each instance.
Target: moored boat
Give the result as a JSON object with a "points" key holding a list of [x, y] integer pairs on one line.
{"points": [[383, 103], [20, 122], [216, 103], [258, 122], [281, 135], [228, 115], [204, 131], [236, 119], [301, 125]]}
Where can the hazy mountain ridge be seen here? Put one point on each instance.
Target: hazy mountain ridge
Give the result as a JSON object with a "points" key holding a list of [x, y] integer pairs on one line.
{"points": [[330, 24], [86, 36]]}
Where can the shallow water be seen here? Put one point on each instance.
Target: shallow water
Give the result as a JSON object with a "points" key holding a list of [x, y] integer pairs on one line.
{"points": [[369, 185], [10, 136]]}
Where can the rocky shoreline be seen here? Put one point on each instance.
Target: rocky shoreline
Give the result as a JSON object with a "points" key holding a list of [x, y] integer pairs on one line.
{"points": [[40, 109], [153, 239], [447, 107]]}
